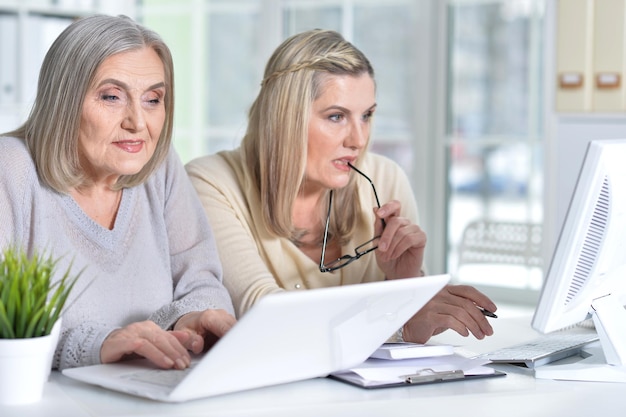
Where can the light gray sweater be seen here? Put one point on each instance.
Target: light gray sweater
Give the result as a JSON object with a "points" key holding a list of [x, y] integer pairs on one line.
{"points": [[159, 262]]}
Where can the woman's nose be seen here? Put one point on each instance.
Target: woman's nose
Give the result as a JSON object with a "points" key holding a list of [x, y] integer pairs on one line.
{"points": [[358, 136], [134, 119]]}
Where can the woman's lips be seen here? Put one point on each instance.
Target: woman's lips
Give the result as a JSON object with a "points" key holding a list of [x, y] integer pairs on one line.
{"points": [[130, 146]]}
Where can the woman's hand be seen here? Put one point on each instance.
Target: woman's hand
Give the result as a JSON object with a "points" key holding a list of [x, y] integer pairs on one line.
{"points": [[454, 307], [204, 328], [146, 339], [400, 254], [401, 246], [194, 332]]}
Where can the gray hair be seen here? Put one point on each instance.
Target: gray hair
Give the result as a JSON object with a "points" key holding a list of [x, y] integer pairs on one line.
{"points": [[67, 72]]}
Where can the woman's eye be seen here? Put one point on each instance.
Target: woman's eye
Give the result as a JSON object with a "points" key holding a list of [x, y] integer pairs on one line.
{"points": [[153, 98], [368, 115], [109, 97], [335, 117]]}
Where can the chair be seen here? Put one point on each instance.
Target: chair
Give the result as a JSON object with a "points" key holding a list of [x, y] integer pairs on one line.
{"points": [[492, 242], [508, 252]]}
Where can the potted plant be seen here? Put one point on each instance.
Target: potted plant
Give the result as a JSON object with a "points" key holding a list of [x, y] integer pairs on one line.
{"points": [[31, 302]]}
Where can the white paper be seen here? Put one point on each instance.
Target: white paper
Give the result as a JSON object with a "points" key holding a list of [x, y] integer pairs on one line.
{"points": [[385, 371]]}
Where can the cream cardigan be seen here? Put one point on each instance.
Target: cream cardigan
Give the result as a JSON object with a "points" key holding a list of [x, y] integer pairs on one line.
{"points": [[257, 263]]}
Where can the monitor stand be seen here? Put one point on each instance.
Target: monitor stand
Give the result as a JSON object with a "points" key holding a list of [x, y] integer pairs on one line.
{"points": [[592, 367], [603, 361]]}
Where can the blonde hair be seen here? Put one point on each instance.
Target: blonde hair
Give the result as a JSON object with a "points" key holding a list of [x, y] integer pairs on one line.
{"points": [[275, 144], [68, 69]]}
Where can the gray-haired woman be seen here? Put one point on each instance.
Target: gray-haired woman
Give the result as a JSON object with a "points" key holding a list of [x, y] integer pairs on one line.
{"points": [[91, 177]]}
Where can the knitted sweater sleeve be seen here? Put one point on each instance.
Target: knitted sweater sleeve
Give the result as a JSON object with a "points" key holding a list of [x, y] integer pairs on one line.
{"points": [[195, 263]]}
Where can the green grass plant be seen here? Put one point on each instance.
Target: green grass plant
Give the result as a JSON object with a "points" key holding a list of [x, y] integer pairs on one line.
{"points": [[30, 301]]}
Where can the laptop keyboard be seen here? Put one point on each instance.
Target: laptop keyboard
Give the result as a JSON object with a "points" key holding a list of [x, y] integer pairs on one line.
{"points": [[162, 377], [542, 350]]}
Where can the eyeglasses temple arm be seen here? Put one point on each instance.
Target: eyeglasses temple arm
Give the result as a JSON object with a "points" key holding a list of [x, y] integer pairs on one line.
{"points": [[330, 203], [373, 188]]}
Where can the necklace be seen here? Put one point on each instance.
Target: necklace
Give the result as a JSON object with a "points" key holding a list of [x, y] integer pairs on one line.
{"points": [[100, 207]]}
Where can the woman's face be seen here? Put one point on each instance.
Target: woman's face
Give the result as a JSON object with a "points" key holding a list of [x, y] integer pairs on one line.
{"points": [[123, 114], [339, 129]]}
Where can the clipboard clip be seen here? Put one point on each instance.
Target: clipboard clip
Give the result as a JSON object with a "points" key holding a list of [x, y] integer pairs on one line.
{"points": [[430, 375]]}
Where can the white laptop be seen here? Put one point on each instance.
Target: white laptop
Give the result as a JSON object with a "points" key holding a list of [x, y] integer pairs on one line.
{"points": [[285, 337]]}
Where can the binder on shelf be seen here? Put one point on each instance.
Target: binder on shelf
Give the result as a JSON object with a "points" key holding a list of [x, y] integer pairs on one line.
{"points": [[608, 55], [574, 52]]}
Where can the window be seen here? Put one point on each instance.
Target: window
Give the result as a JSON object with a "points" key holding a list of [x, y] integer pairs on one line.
{"points": [[494, 138]]}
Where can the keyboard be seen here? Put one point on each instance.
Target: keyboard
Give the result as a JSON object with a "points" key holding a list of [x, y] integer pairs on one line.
{"points": [[544, 349], [168, 378]]}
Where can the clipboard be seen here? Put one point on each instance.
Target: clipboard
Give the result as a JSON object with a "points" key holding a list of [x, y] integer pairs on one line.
{"points": [[378, 373], [421, 378]]}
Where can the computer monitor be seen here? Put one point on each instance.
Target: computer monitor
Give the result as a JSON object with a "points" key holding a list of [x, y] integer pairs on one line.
{"points": [[587, 274]]}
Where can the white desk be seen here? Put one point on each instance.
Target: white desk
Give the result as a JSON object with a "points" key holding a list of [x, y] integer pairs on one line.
{"points": [[517, 394]]}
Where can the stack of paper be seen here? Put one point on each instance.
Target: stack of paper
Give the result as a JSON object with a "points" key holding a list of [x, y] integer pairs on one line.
{"points": [[406, 350], [375, 373]]}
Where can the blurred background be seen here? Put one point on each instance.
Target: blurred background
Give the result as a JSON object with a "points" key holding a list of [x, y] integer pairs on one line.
{"points": [[466, 93]]}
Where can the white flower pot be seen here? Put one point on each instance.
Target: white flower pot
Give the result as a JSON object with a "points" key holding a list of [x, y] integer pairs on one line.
{"points": [[25, 366]]}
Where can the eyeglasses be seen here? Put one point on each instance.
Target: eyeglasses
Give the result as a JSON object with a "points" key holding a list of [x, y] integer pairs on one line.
{"points": [[360, 250]]}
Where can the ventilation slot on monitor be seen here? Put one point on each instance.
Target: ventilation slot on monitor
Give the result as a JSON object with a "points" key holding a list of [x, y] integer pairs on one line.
{"points": [[593, 239]]}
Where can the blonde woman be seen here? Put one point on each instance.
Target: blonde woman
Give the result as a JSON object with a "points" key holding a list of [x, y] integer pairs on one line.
{"points": [[302, 204]]}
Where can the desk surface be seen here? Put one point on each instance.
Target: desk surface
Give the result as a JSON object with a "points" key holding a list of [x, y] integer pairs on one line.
{"points": [[517, 394]]}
